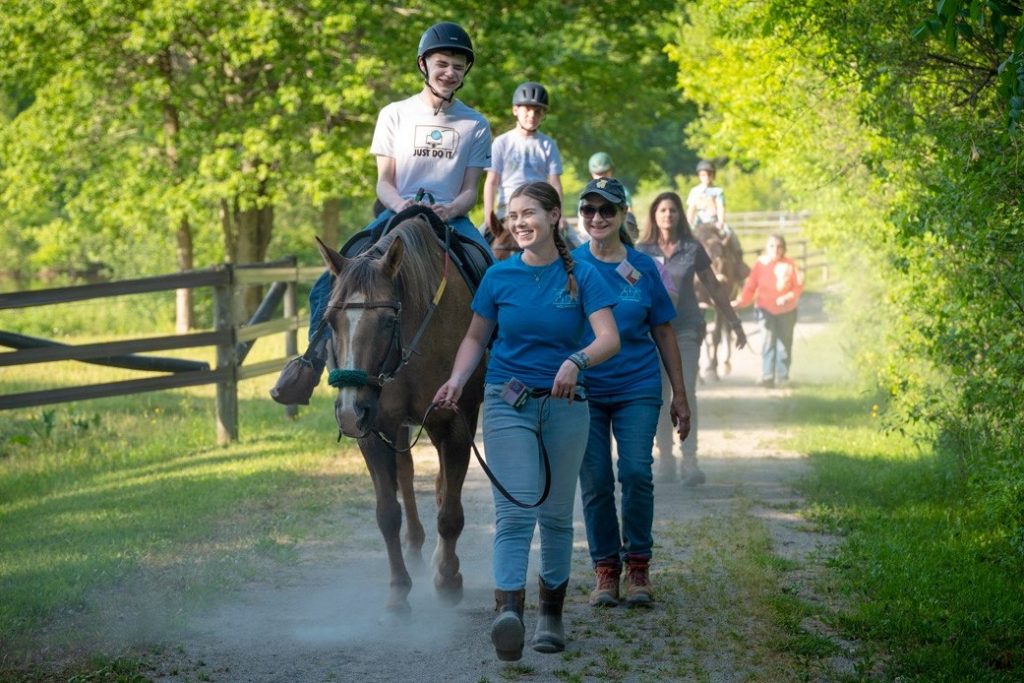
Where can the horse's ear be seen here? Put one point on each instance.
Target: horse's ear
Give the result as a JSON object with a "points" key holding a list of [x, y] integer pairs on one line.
{"points": [[335, 261], [496, 227], [392, 259]]}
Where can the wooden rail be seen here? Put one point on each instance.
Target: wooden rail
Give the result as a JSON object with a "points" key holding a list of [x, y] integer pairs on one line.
{"points": [[231, 340]]}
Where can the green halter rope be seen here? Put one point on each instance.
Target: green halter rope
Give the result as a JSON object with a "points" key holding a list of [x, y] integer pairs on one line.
{"points": [[347, 378]]}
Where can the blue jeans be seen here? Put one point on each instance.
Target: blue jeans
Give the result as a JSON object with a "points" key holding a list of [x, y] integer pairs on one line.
{"points": [[321, 291], [513, 454], [633, 424], [777, 345]]}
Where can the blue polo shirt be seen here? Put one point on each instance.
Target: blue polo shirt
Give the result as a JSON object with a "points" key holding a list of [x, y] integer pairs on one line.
{"points": [[539, 324], [635, 371]]}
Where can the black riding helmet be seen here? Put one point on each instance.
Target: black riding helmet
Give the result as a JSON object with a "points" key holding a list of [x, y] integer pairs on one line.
{"points": [[530, 93], [450, 37]]}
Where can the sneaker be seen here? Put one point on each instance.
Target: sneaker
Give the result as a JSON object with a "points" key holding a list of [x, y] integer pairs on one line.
{"points": [[606, 592], [766, 382], [638, 582]]}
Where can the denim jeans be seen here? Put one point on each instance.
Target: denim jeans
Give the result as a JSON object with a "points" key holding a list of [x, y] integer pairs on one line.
{"points": [[633, 424], [777, 345], [513, 454], [321, 291], [689, 349]]}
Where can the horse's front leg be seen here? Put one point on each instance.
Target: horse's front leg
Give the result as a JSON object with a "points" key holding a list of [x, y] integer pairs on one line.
{"points": [[727, 363], [453, 441], [380, 460], [414, 534]]}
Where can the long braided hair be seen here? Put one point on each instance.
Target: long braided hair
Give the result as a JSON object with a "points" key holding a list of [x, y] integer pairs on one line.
{"points": [[548, 198]]}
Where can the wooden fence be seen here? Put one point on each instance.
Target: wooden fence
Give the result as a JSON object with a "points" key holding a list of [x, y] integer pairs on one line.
{"points": [[232, 341]]}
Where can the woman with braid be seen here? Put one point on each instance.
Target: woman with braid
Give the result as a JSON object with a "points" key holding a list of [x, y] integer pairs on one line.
{"points": [[534, 402]]}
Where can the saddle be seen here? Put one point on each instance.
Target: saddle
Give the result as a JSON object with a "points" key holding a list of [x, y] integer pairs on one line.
{"points": [[469, 258]]}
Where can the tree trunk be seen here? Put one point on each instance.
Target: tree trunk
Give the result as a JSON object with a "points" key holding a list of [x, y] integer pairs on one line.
{"points": [[330, 222], [185, 311], [247, 234]]}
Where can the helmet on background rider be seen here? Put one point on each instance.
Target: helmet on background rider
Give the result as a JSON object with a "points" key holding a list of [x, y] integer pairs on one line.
{"points": [[600, 162], [705, 166], [531, 94]]}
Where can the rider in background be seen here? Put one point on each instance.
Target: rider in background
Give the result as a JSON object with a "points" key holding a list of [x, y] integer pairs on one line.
{"points": [[523, 154], [431, 149], [705, 206], [668, 240], [776, 282], [601, 166], [541, 301]]}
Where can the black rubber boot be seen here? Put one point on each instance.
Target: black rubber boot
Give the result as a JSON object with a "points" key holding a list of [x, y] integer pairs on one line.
{"points": [[550, 634], [508, 631]]}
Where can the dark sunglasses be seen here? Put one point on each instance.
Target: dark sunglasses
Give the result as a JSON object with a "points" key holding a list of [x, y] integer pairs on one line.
{"points": [[606, 210]]}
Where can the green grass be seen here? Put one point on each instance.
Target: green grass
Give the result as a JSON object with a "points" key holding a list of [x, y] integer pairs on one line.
{"points": [[101, 492], [926, 577]]}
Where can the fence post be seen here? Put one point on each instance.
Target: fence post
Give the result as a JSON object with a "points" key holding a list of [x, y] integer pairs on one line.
{"points": [[227, 390], [291, 338]]}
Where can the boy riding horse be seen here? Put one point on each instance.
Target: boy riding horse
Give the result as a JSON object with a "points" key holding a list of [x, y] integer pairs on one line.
{"points": [[431, 150]]}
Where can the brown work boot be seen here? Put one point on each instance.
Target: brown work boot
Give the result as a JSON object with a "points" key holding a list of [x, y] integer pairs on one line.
{"points": [[638, 582], [508, 631], [606, 592]]}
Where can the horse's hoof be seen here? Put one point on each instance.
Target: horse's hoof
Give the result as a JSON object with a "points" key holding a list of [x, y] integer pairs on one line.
{"points": [[449, 589], [396, 610], [414, 562], [727, 369]]}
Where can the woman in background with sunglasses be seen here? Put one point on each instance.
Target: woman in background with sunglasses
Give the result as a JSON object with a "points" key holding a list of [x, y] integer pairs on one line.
{"points": [[625, 400], [668, 240]]}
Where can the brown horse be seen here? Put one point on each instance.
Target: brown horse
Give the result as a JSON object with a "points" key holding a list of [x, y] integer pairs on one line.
{"points": [[387, 376], [503, 244], [730, 271]]}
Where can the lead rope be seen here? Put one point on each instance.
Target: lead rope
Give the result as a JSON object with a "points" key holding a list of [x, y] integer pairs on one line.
{"points": [[545, 458]]}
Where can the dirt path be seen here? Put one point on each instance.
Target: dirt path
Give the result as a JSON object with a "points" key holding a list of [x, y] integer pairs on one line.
{"points": [[318, 620]]}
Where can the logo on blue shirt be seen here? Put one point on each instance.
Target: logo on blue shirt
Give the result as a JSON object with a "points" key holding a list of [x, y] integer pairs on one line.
{"points": [[565, 300], [630, 293]]}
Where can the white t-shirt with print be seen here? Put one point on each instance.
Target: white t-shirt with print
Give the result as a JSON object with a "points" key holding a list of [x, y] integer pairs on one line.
{"points": [[706, 199], [431, 151]]}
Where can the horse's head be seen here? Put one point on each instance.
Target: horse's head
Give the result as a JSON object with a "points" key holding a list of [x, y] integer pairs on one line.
{"points": [[503, 244], [364, 313], [714, 245]]}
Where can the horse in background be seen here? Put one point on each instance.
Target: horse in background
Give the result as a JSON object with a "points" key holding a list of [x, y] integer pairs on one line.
{"points": [[380, 302], [730, 271], [503, 244]]}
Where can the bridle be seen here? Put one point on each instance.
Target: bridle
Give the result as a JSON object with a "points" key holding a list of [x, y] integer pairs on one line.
{"points": [[339, 378]]}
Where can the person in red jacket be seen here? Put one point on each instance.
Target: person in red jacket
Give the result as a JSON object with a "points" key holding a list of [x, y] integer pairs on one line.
{"points": [[774, 287]]}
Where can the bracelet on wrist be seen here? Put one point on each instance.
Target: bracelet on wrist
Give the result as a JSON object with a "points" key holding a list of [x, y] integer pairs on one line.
{"points": [[580, 359]]}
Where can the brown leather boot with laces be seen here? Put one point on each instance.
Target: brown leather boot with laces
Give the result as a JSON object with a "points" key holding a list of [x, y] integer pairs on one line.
{"points": [[638, 582], [606, 592]]}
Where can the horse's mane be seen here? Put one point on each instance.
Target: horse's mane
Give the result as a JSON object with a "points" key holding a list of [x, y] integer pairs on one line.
{"points": [[418, 275]]}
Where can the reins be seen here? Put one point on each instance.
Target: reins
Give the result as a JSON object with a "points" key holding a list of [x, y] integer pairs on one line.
{"points": [[545, 459]]}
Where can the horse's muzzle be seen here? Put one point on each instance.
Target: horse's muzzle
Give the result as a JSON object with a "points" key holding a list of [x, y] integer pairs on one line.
{"points": [[354, 417]]}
